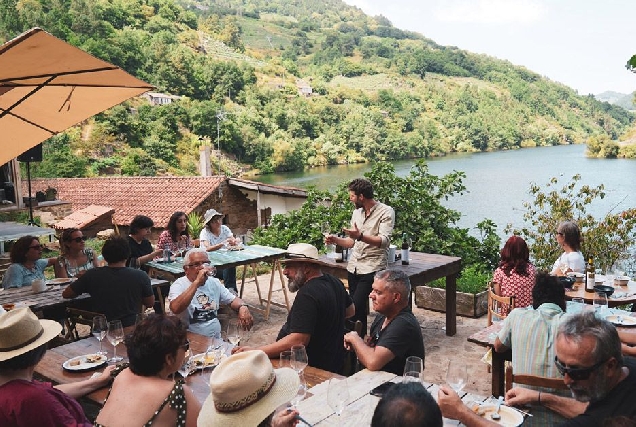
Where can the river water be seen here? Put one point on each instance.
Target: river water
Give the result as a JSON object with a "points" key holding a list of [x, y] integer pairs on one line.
{"points": [[498, 183]]}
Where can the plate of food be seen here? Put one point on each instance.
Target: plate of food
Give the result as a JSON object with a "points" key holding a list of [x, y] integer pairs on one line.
{"points": [[509, 417], [199, 361], [58, 281], [619, 320], [84, 363]]}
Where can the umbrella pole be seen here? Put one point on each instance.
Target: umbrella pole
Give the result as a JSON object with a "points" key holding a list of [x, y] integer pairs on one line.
{"points": [[31, 221]]}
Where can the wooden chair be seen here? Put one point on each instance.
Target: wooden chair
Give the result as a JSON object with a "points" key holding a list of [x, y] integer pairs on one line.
{"points": [[76, 316], [495, 303], [351, 363], [533, 380]]}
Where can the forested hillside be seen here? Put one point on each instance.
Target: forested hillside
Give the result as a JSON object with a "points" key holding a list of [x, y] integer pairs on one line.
{"points": [[377, 92]]}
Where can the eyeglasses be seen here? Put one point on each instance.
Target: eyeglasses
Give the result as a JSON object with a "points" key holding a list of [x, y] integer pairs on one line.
{"points": [[198, 264], [38, 247], [577, 374], [186, 345]]}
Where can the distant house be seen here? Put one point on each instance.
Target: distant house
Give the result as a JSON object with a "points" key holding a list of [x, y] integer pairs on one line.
{"points": [[156, 98], [304, 88], [246, 204]]}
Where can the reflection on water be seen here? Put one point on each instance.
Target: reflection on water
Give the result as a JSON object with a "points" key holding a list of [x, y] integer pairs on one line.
{"points": [[498, 183]]}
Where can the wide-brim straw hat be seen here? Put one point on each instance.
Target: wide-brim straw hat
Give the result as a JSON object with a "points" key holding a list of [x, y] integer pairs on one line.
{"points": [[209, 214], [21, 331], [302, 252], [245, 389]]}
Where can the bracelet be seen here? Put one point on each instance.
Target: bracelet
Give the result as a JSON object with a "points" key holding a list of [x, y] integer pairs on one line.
{"points": [[539, 400], [359, 239]]}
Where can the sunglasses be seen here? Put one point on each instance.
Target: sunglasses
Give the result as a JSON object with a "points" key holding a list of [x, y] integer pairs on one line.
{"points": [[38, 247], [577, 374], [558, 233], [186, 345], [78, 239]]}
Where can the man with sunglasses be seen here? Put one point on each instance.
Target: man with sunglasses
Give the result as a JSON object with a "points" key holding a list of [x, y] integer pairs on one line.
{"points": [[196, 297], [588, 355]]}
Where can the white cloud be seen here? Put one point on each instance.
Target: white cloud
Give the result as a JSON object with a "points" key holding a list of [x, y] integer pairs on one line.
{"points": [[490, 11]]}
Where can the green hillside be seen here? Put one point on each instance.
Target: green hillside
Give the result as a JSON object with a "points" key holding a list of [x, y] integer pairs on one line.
{"points": [[377, 92]]}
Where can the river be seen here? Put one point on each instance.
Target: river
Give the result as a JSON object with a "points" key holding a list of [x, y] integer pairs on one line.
{"points": [[498, 183]]}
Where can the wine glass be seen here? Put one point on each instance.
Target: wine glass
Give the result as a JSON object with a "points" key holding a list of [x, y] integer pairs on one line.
{"points": [[115, 336], [325, 229], [564, 267], [456, 375], [234, 331], [413, 369], [299, 358], [285, 359], [337, 395], [600, 302], [300, 393], [72, 268], [100, 328]]}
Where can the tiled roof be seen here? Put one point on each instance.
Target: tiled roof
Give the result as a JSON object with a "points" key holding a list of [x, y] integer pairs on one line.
{"points": [[155, 197], [84, 217]]}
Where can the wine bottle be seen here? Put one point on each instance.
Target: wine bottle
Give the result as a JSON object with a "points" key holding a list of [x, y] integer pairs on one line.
{"points": [[589, 276], [339, 250], [405, 249]]}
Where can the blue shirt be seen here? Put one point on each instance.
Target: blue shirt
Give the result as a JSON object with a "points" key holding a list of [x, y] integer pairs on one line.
{"points": [[17, 275]]}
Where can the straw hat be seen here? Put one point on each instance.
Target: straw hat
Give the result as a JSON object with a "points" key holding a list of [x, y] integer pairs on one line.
{"points": [[209, 214], [21, 331], [245, 389], [302, 252]]}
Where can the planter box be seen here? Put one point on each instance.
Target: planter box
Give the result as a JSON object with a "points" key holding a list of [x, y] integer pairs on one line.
{"points": [[469, 305]]}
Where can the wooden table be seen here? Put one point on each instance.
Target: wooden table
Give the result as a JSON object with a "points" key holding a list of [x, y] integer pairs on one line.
{"points": [[250, 256], [50, 367], [486, 338], [622, 294], [423, 269]]}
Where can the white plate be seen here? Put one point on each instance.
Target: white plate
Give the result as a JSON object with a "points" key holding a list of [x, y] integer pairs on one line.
{"points": [[200, 362], [623, 321], [509, 416], [58, 281], [84, 364]]}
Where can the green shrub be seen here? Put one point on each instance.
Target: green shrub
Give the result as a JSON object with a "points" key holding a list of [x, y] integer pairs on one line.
{"points": [[472, 280]]}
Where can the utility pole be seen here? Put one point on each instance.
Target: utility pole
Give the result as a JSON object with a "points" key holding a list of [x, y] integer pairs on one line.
{"points": [[220, 116]]}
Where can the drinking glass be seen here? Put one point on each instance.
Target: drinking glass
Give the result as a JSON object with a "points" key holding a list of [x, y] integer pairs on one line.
{"points": [[115, 336], [100, 328], [337, 395], [564, 268], [413, 369], [300, 393], [325, 229], [298, 358], [600, 303], [285, 359], [456, 375], [234, 331], [72, 268], [188, 366]]}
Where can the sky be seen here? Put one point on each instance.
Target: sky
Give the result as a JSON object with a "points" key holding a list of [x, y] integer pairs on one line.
{"points": [[583, 44]]}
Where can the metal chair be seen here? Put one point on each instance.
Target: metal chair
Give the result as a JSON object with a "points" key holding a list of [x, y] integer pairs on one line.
{"points": [[533, 380], [495, 304]]}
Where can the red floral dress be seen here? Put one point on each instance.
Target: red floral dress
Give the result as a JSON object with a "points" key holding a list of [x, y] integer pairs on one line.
{"points": [[517, 285]]}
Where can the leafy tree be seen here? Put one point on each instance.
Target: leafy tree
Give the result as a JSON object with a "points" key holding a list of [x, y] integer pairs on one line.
{"points": [[607, 239], [58, 160]]}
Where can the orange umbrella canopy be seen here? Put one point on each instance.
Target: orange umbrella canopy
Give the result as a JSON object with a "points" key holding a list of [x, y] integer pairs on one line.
{"points": [[47, 86]]}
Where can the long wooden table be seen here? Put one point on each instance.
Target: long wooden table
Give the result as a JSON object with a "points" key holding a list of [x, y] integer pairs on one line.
{"points": [[50, 367], [486, 338], [247, 257], [423, 268], [622, 294]]}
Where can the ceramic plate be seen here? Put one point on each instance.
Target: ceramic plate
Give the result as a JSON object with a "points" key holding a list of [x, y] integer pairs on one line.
{"points": [[87, 362], [59, 281], [200, 361], [621, 320], [509, 416]]}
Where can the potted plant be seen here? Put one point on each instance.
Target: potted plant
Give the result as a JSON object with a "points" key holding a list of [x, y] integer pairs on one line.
{"points": [[472, 293], [50, 194]]}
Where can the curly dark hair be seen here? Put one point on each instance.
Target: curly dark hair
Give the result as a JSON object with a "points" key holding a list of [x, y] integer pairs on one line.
{"points": [[515, 256], [361, 186], [547, 288], [172, 225], [20, 249], [139, 222], [154, 337]]}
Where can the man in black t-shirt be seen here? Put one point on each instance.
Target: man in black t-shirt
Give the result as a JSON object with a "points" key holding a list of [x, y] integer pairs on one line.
{"points": [[395, 333], [316, 319]]}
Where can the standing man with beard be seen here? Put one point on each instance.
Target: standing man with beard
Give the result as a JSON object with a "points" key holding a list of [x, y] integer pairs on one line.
{"points": [[316, 319], [369, 236], [588, 355]]}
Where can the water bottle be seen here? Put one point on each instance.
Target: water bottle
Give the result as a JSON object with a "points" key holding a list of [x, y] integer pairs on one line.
{"points": [[166, 253]]}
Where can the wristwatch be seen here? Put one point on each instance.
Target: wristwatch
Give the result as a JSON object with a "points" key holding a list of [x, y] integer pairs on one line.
{"points": [[359, 239]]}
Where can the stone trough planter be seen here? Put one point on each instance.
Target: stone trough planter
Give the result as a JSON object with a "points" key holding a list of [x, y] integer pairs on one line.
{"points": [[469, 305]]}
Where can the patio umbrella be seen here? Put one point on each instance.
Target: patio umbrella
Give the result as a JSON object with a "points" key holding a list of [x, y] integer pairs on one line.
{"points": [[47, 86]]}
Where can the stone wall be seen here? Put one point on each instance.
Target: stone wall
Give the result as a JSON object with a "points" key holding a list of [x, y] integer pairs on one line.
{"points": [[240, 212], [471, 305]]}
